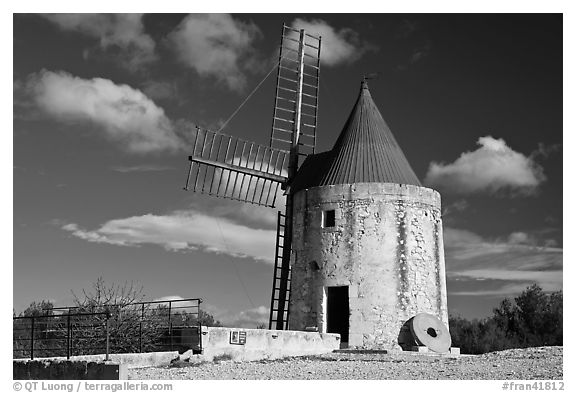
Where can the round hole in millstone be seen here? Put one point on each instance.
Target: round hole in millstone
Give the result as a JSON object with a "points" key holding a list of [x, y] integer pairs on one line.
{"points": [[432, 332]]}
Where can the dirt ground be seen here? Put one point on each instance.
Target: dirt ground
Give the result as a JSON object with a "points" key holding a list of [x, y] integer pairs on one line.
{"points": [[541, 363]]}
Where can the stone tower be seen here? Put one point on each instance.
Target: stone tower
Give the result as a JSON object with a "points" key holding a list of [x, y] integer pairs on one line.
{"points": [[367, 243]]}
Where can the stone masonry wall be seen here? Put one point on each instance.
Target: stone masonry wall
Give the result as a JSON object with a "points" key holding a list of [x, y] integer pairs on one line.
{"points": [[386, 247]]}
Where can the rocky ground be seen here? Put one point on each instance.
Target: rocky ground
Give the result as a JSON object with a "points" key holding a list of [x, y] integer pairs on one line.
{"points": [[542, 363]]}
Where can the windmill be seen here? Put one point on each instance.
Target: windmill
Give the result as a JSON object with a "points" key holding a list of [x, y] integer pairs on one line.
{"points": [[229, 167]]}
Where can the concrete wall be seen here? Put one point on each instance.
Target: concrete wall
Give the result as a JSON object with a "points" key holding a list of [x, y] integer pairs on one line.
{"points": [[130, 360], [266, 344], [386, 247], [67, 369], [216, 342]]}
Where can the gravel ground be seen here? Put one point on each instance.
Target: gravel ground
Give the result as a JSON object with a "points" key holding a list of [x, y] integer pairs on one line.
{"points": [[543, 363]]}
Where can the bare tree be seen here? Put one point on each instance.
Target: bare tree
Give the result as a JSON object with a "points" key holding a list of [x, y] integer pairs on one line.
{"points": [[111, 296], [132, 326]]}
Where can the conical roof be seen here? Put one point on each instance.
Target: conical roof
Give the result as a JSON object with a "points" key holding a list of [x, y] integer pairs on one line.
{"points": [[365, 152]]}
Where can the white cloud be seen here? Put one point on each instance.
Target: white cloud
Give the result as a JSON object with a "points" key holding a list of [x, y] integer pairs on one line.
{"points": [[142, 168], [456, 206], [519, 250], [519, 238], [216, 45], [511, 289], [124, 114], [250, 318], [250, 214], [179, 305], [168, 298], [420, 52], [184, 230], [493, 167], [124, 31], [338, 46], [548, 277], [515, 263]]}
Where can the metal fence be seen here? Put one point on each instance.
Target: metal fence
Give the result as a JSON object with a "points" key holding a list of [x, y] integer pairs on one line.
{"points": [[132, 328]]}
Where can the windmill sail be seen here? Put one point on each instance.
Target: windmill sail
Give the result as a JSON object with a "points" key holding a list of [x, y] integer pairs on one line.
{"points": [[296, 102], [293, 126], [233, 168], [229, 167]]}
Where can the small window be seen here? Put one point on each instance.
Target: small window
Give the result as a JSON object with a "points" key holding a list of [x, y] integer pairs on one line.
{"points": [[328, 218]]}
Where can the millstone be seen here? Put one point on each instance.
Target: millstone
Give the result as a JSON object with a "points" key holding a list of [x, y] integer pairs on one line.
{"points": [[428, 330]]}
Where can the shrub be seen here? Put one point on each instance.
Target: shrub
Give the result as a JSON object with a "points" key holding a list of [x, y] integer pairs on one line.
{"points": [[533, 319]]}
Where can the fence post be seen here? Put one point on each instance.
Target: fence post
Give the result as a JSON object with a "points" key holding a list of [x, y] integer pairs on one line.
{"points": [[199, 325], [32, 341], [140, 334], [170, 323], [68, 336], [107, 338]]}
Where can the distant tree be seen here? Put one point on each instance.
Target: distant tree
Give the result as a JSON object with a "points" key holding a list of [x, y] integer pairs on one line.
{"points": [[46, 330], [43, 307], [540, 317], [555, 319], [534, 318], [207, 319], [465, 334], [191, 319]]}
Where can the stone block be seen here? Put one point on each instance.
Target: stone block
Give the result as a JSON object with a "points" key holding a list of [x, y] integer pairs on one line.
{"points": [[38, 369], [94, 369], [68, 369], [20, 370], [353, 291]]}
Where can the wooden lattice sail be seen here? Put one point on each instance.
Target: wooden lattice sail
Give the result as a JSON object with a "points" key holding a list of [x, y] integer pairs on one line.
{"points": [[229, 167]]}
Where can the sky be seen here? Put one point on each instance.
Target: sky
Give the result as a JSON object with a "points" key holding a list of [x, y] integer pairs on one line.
{"points": [[104, 107]]}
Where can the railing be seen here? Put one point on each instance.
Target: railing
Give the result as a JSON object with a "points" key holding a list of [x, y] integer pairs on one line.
{"points": [[136, 327], [61, 335]]}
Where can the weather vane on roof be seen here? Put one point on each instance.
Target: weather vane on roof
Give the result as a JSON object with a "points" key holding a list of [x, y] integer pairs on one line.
{"points": [[373, 75]]}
